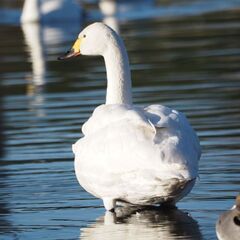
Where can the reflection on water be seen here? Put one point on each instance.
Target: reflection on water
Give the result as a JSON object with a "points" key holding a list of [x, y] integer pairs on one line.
{"points": [[190, 63], [34, 41], [39, 41], [36, 81], [147, 224]]}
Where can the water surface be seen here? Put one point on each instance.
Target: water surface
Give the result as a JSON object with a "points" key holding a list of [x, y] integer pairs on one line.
{"points": [[189, 62]]}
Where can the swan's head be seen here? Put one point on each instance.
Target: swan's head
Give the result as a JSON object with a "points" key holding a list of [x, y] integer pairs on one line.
{"points": [[93, 40]]}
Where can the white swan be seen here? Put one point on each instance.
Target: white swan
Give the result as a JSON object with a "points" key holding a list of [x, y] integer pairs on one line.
{"points": [[128, 154], [50, 11]]}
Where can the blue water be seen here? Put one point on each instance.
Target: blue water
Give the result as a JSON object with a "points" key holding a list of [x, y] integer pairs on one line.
{"points": [[184, 56]]}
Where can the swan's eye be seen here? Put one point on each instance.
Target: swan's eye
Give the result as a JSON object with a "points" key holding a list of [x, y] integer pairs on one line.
{"points": [[84, 35], [237, 220]]}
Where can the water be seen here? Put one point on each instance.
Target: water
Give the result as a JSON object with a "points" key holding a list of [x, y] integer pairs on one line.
{"points": [[189, 62]]}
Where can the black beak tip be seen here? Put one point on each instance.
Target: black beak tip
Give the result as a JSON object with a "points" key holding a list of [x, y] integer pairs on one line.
{"points": [[68, 54], [64, 56], [60, 58]]}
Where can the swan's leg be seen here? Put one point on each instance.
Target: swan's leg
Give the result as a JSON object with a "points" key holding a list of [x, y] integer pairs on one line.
{"points": [[169, 204], [124, 204], [109, 203]]}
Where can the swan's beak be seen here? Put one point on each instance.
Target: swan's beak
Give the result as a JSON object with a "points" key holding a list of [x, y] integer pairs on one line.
{"points": [[74, 52]]}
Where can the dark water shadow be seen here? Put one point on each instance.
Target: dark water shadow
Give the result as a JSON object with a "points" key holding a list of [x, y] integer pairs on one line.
{"points": [[154, 223], [1, 125], [6, 227], [3, 208]]}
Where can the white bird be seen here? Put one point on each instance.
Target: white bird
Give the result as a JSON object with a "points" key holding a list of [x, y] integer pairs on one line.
{"points": [[50, 11], [133, 155]]}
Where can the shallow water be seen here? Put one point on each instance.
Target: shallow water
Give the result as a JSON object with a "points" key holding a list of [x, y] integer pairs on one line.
{"points": [[189, 62]]}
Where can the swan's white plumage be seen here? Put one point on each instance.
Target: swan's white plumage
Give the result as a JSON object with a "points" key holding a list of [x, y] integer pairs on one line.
{"points": [[136, 155]]}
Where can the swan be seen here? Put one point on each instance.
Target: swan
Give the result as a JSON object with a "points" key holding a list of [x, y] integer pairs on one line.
{"points": [[131, 155], [50, 11]]}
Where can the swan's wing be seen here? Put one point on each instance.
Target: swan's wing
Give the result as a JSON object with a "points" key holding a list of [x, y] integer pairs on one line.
{"points": [[172, 125]]}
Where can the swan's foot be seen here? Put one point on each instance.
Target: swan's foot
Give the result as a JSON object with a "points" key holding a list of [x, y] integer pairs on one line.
{"points": [[122, 212], [109, 204], [169, 205]]}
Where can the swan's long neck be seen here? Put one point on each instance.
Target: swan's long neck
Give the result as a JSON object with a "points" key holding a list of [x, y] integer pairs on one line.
{"points": [[31, 11], [119, 87]]}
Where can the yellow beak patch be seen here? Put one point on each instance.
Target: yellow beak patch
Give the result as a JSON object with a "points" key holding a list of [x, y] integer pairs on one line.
{"points": [[76, 46]]}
